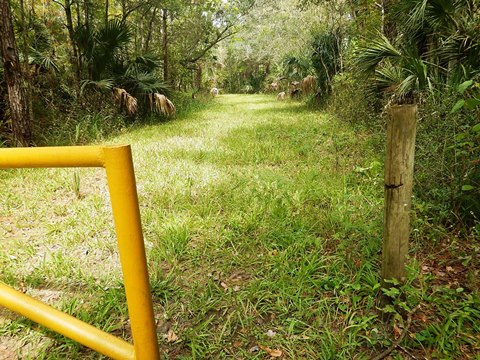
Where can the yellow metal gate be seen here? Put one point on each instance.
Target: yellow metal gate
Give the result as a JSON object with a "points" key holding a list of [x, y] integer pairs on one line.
{"points": [[117, 161]]}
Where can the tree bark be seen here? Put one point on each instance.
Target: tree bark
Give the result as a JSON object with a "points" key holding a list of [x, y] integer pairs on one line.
{"points": [[106, 12], [71, 35], [86, 9], [26, 62], [150, 30], [16, 87], [165, 45], [198, 76]]}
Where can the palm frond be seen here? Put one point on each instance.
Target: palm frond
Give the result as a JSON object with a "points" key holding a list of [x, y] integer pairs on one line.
{"points": [[161, 104], [143, 83], [388, 77], [418, 69], [376, 51], [416, 11], [407, 86], [102, 85], [460, 49], [148, 62], [43, 60], [113, 35], [125, 101]]}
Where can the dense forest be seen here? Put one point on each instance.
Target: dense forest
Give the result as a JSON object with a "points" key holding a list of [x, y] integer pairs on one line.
{"points": [[78, 72]]}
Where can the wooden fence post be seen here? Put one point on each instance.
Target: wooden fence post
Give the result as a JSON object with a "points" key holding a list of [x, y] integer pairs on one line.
{"points": [[401, 131]]}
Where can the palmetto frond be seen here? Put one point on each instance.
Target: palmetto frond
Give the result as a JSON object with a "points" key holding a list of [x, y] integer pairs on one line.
{"points": [[85, 40], [403, 78], [101, 85], [113, 35], [461, 49], [43, 60], [147, 62], [161, 104], [379, 49], [125, 101], [438, 38], [142, 83], [295, 68], [393, 71], [438, 15], [100, 48], [418, 70], [448, 30], [388, 77]]}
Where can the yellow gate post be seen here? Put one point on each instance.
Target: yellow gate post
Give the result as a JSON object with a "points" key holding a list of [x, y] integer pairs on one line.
{"points": [[117, 161]]}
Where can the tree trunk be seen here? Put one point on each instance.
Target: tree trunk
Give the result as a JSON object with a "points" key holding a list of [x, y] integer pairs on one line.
{"points": [[401, 130], [150, 30], [106, 12], [388, 21], [19, 111], [165, 46], [79, 54], [26, 62], [198, 76], [71, 35], [87, 9]]}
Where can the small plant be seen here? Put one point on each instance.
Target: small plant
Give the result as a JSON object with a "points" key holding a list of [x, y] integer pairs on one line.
{"points": [[77, 133], [76, 184]]}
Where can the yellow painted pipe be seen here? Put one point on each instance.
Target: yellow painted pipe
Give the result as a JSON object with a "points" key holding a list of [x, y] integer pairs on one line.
{"points": [[117, 160], [65, 324], [126, 215], [55, 156]]}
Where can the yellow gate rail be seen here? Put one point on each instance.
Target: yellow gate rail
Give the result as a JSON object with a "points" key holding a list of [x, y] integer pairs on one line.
{"points": [[117, 161]]}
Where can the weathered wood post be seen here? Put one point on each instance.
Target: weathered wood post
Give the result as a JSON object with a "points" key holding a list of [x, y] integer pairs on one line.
{"points": [[401, 131]]}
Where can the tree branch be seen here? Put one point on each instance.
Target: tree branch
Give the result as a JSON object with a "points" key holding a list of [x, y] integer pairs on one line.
{"points": [[220, 36], [59, 3], [132, 9]]}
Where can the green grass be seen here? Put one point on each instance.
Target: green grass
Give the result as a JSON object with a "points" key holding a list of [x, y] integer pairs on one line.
{"points": [[263, 225]]}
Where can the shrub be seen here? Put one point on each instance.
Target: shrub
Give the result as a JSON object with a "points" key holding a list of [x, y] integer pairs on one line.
{"points": [[350, 101]]}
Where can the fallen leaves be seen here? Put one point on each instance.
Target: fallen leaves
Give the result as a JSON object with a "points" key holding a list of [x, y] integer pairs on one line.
{"points": [[421, 317], [233, 282], [396, 332], [171, 336], [272, 352]]}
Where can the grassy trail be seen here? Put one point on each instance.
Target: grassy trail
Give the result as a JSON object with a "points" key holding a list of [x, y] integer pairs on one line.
{"points": [[260, 235]]}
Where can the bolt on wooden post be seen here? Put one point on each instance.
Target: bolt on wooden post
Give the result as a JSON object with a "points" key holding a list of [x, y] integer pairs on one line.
{"points": [[401, 132]]}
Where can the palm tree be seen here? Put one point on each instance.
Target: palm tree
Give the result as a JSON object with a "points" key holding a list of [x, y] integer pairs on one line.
{"points": [[101, 48], [133, 81], [399, 72], [438, 41]]}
